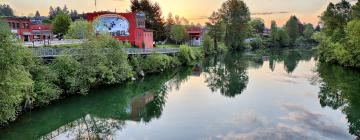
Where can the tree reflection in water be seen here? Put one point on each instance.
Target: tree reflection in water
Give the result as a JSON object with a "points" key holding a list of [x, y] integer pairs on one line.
{"points": [[227, 74], [100, 115], [340, 89]]}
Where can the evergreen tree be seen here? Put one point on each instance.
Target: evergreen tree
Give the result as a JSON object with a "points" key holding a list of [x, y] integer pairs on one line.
{"points": [[37, 14], [6, 10], [294, 28], [273, 34], [154, 18]]}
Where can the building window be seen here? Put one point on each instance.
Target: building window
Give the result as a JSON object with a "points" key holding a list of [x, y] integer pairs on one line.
{"points": [[23, 26], [18, 25], [27, 25], [13, 25]]}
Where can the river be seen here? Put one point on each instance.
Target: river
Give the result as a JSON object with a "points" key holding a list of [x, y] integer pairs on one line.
{"points": [[269, 95]]}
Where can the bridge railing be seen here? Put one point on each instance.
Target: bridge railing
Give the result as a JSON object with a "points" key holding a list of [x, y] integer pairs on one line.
{"points": [[53, 52]]}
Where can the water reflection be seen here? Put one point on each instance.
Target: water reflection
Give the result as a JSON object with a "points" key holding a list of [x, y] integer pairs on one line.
{"points": [[262, 95], [340, 89], [99, 115], [229, 76]]}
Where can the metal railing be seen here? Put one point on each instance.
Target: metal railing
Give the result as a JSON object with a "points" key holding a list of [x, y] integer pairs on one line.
{"points": [[54, 52]]}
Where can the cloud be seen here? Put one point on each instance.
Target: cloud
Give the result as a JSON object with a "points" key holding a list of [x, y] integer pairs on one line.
{"points": [[298, 123]]}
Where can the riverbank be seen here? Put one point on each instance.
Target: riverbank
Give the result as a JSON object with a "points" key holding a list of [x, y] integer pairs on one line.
{"points": [[226, 91], [29, 83]]}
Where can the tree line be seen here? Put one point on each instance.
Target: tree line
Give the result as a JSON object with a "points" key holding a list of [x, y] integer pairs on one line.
{"points": [[339, 38]]}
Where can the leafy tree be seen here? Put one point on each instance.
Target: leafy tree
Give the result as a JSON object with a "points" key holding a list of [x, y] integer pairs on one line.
{"points": [[45, 87], [294, 28], [61, 24], [308, 30], [15, 80], [335, 17], [216, 28], [6, 10], [178, 33], [208, 46], [273, 33], [169, 22], [236, 16], [258, 25], [282, 38], [355, 14], [79, 29]]}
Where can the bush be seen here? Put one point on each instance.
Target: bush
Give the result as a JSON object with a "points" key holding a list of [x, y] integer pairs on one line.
{"points": [[68, 71], [256, 43], [15, 80], [158, 63], [45, 87], [80, 29]]}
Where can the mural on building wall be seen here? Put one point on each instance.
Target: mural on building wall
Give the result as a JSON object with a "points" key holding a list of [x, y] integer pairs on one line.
{"points": [[114, 24]]}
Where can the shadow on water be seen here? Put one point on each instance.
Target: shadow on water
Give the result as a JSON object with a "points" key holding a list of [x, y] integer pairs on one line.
{"points": [[104, 111]]}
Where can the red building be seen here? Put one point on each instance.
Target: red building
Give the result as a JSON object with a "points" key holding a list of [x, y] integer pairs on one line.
{"points": [[23, 29], [123, 26], [195, 34]]}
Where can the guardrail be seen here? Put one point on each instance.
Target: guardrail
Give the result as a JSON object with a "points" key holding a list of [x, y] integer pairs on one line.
{"points": [[54, 52]]}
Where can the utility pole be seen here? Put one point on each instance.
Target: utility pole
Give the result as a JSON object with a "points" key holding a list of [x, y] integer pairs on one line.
{"points": [[95, 6]]}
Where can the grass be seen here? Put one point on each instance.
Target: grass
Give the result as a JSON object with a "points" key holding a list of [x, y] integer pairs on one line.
{"points": [[167, 46]]}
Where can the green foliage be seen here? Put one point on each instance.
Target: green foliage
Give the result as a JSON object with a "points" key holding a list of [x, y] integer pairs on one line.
{"points": [[257, 25], [188, 55], [216, 29], [6, 10], [167, 46], [68, 71], [159, 63], [282, 38], [154, 19], [15, 79], [293, 28], [79, 29], [256, 43], [346, 52], [308, 31], [355, 13], [300, 41], [339, 41], [178, 33], [208, 45], [61, 24], [336, 16], [236, 17], [45, 87]]}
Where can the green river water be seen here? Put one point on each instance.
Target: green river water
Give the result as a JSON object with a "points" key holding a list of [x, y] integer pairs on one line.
{"points": [[274, 95]]}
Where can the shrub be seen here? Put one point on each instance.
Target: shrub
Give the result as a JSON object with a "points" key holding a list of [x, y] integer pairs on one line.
{"points": [[158, 63], [256, 43]]}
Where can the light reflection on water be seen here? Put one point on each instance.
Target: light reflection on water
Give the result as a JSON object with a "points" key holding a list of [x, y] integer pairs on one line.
{"points": [[273, 95]]}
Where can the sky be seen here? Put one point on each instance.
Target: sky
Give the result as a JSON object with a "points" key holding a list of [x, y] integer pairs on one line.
{"points": [[195, 10]]}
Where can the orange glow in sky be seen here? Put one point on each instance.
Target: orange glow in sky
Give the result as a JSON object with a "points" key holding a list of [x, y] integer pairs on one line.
{"points": [[195, 10]]}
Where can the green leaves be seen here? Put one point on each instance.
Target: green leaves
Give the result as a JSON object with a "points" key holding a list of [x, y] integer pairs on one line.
{"points": [[61, 23]]}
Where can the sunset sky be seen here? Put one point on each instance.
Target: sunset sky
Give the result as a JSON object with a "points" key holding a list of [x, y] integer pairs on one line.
{"points": [[195, 10]]}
